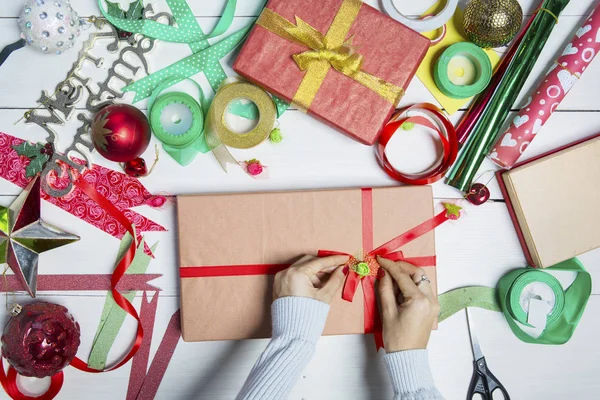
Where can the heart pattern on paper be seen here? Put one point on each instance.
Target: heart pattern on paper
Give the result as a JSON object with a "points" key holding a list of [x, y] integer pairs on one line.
{"points": [[508, 141], [569, 50], [598, 36], [518, 121], [494, 155], [567, 81], [537, 125], [583, 30]]}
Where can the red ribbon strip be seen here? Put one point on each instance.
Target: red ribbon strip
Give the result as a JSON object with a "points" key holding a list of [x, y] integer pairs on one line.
{"points": [[161, 361], [120, 270], [231, 270], [448, 139], [139, 364], [91, 282], [9, 383]]}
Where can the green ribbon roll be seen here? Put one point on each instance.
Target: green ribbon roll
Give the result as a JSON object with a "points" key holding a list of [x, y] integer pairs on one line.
{"points": [[566, 311], [474, 58], [177, 120]]}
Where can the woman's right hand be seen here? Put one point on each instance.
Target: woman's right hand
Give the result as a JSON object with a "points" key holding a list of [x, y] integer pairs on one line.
{"points": [[409, 306]]}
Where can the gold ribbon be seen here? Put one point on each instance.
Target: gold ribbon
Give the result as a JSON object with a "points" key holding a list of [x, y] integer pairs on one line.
{"points": [[325, 52]]}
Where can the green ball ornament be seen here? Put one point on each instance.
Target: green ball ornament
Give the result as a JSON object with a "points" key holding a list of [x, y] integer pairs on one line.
{"points": [[492, 23]]}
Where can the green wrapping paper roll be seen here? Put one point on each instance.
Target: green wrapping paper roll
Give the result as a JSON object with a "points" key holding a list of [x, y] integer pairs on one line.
{"points": [[495, 113]]}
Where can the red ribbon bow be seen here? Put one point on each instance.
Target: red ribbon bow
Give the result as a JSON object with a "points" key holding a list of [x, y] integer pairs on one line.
{"points": [[372, 321]]}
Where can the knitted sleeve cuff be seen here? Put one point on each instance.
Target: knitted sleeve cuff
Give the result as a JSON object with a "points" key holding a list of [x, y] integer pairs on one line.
{"points": [[299, 318], [409, 371]]}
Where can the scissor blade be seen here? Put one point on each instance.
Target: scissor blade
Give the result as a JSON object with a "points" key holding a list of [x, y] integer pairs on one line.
{"points": [[477, 354]]}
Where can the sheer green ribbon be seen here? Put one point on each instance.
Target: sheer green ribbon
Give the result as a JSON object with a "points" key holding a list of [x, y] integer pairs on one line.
{"points": [[205, 58], [113, 316], [473, 296], [570, 303]]}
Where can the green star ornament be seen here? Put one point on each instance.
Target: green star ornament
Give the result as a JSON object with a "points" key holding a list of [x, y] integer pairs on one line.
{"points": [[23, 236]]}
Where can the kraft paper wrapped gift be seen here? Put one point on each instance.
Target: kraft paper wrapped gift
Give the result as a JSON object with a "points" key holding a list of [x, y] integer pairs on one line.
{"points": [[389, 51], [229, 234]]}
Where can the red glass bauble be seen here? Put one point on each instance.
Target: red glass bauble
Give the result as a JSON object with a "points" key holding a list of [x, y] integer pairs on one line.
{"points": [[136, 168], [40, 341], [120, 132], [478, 194]]}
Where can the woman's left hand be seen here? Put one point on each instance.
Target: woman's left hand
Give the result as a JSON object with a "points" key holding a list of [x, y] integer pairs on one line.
{"points": [[315, 278]]}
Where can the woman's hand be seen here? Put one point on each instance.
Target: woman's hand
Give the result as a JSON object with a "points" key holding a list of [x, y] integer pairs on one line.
{"points": [[408, 305], [316, 278]]}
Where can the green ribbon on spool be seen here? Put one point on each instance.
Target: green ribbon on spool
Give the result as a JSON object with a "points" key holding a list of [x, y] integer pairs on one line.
{"points": [[568, 308], [182, 139], [476, 56]]}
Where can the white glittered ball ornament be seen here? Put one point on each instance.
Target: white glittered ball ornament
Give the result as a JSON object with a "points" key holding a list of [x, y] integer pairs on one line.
{"points": [[50, 26]]}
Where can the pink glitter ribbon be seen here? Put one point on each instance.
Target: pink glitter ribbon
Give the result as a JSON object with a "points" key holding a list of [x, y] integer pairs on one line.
{"points": [[544, 99], [122, 190], [85, 282]]}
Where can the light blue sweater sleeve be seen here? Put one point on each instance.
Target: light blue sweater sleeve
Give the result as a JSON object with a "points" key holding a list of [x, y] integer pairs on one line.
{"points": [[298, 322]]}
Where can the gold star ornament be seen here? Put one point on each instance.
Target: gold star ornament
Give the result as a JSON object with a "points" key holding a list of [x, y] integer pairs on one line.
{"points": [[23, 236]]}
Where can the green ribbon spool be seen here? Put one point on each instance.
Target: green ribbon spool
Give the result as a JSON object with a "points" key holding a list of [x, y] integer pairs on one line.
{"points": [[182, 138], [476, 56], [568, 307]]}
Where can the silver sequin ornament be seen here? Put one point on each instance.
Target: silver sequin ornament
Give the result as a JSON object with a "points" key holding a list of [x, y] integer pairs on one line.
{"points": [[49, 26]]}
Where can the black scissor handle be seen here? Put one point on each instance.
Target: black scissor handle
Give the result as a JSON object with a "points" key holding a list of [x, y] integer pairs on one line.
{"points": [[484, 382]]}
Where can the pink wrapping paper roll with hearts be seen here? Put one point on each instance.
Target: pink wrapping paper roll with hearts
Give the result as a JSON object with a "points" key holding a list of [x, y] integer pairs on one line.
{"points": [[544, 100]]}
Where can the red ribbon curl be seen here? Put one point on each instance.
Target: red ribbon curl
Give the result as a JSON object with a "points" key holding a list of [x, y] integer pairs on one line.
{"points": [[447, 138]]}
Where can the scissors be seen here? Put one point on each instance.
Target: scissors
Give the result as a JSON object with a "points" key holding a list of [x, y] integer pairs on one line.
{"points": [[483, 381]]}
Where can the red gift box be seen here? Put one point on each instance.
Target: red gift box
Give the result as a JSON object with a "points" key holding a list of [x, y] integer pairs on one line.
{"points": [[374, 50]]}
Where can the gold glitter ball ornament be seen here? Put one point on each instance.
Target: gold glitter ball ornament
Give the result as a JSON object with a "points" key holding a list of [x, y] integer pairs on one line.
{"points": [[492, 23]]}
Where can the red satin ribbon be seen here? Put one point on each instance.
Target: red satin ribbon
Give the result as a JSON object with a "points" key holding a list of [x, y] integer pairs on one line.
{"points": [[448, 139], [231, 270], [9, 383], [118, 273]]}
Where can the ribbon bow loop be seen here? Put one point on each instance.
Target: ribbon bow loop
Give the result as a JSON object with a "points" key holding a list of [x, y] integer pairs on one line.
{"points": [[344, 58]]}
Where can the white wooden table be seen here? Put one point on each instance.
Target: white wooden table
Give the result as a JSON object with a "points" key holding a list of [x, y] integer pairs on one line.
{"points": [[478, 250]]}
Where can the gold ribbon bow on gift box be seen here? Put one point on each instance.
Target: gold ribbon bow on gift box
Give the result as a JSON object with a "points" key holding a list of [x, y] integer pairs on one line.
{"points": [[329, 51]]}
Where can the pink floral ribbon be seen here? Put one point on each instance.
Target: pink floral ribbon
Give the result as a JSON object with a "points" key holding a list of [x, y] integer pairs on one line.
{"points": [[122, 190]]}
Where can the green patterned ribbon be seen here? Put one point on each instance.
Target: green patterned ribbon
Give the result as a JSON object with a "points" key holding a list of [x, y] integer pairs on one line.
{"points": [[113, 316], [206, 58], [188, 30]]}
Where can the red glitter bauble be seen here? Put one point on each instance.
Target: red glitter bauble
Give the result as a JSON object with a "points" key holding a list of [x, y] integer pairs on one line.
{"points": [[478, 194], [136, 168], [40, 341], [120, 132]]}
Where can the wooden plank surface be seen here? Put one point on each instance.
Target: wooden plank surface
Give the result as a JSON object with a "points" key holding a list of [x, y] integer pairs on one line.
{"points": [[477, 250]]}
